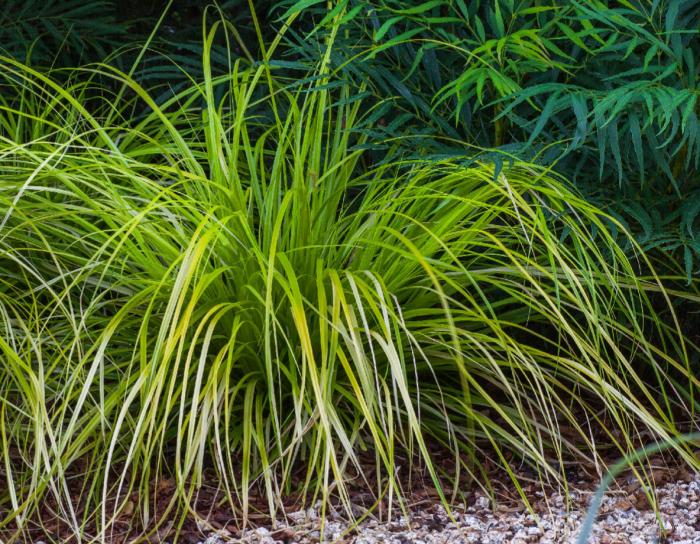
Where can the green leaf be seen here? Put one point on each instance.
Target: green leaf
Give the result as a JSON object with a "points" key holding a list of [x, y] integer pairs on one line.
{"points": [[350, 15], [615, 149], [386, 27], [578, 104], [479, 26], [299, 6], [574, 37], [671, 15], [544, 116], [534, 10], [650, 54], [403, 37], [422, 8], [636, 133], [689, 215], [463, 8], [332, 14], [498, 19]]}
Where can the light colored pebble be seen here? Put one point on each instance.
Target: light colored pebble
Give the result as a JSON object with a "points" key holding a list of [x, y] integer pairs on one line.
{"points": [[679, 503]]}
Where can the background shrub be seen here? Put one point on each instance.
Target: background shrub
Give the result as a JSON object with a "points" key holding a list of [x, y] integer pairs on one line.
{"points": [[606, 91]]}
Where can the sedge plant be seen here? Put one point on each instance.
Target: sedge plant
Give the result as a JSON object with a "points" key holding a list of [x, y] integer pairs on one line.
{"points": [[224, 281]]}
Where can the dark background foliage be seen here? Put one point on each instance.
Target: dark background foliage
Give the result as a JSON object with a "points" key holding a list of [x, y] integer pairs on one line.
{"points": [[605, 91]]}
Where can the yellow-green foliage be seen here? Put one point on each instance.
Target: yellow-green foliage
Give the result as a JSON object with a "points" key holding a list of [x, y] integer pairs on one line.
{"points": [[226, 282]]}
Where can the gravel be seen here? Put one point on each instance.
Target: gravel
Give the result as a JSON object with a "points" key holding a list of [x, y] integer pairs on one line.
{"points": [[622, 519]]}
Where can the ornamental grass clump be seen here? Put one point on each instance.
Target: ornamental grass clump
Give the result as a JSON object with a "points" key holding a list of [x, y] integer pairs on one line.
{"points": [[225, 281]]}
